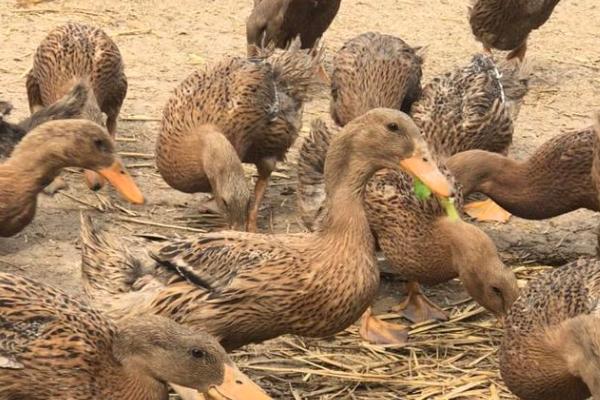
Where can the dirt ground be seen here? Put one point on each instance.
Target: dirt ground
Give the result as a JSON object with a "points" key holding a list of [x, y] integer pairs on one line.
{"points": [[162, 42]]}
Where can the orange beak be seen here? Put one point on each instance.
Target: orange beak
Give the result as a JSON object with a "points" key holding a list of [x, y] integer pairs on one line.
{"points": [[123, 182], [236, 386], [427, 171]]}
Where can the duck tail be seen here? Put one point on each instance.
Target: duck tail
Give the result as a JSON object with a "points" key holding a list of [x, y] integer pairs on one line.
{"points": [[69, 106], [311, 169], [299, 72], [107, 268], [514, 78]]}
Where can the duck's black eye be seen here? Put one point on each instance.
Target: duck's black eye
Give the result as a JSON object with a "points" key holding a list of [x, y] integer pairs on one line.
{"points": [[100, 144], [497, 291], [198, 353], [393, 127]]}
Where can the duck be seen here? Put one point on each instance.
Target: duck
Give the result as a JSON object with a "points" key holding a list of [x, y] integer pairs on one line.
{"points": [[73, 54], [366, 64], [506, 25], [279, 22], [67, 107], [551, 345], [55, 346], [420, 241], [238, 110], [473, 107], [554, 180], [245, 287], [42, 154]]}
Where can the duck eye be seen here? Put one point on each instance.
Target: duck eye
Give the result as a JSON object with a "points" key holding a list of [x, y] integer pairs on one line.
{"points": [[497, 291], [197, 353], [393, 127], [100, 145]]}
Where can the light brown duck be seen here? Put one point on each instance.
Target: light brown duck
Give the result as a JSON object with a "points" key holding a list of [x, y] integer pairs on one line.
{"points": [[77, 53], [40, 157], [247, 287], [55, 347], [238, 110], [554, 180], [362, 71], [551, 344], [421, 243]]}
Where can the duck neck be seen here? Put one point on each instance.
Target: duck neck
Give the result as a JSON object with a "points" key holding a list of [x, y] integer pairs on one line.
{"points": [[221, 163], [134, 382], [132, 378], [346, 177], [493, 174], [581, 350], [37, 167], [458, 243]]}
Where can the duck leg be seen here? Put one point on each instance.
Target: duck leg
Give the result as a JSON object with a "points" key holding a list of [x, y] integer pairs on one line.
{"points": [[264, 167], [519, 52], [376, 331], [417, 307], [487, 210]]}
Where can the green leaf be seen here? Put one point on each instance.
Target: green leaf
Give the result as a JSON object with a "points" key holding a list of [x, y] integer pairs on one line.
{"points": [[450, 208], [421, 190]]}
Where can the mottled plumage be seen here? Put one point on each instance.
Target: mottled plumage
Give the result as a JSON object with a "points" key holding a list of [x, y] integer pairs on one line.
{"points": [[472, 107], [246, 287], [551, 344], [280, 21], [554, 180], [419, 242], [55, 347], [374, 70], [506, 24], [75, 53], [238, 110], [70, 106]]}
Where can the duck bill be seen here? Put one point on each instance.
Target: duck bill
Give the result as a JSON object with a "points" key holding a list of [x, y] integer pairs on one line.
{"points": [[427, 171], [123, 182], [236, 386]]}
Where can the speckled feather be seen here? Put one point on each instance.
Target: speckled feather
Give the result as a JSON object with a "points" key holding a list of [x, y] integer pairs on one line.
{"points": [[255, 103], [362, 72], [530, 366], [50, 337], [75, 53], [505, 24], [472, 107]]}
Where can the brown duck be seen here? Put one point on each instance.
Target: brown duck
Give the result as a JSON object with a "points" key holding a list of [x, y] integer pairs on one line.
{"points": [[40, 157], [238, 110], [68, 107], [506, 24], [56, 347], [551, 344], [279, 22], [421, 243], [473, 107], [362, 71], [76, 53], [248, 287], [556, 179]]}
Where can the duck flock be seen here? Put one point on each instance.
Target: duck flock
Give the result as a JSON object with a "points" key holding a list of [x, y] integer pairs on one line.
{"points": [[392, 170]]}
